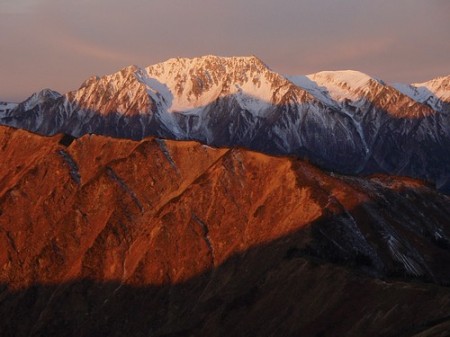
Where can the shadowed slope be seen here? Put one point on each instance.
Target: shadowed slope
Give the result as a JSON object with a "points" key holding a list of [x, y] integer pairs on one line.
{"points": [[263, 292]]}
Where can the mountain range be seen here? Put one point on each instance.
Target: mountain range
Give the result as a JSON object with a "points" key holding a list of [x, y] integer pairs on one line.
{"points": [[215, 197], [114, 237], [343, 121]]}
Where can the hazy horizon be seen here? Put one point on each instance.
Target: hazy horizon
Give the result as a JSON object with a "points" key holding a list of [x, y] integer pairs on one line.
{"points": [[51, 44]]}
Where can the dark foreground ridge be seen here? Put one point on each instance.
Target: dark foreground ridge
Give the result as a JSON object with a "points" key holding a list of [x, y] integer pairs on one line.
{"points": [[264, 291], [114, 237]]}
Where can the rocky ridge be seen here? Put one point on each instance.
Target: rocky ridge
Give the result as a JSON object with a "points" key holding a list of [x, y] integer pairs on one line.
{"points": [[343, 121], [177, 238]]}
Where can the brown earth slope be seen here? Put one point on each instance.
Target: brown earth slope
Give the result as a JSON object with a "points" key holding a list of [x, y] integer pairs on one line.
{"points": [[109, 237]]}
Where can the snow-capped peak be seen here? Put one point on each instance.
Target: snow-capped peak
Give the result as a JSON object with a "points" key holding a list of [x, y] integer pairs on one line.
{"points": [[346, 120], [40, 97], [208, 60], [345, 84], [353, 77], [197, 82], [434, 93], [439, 87], [334, 87]]}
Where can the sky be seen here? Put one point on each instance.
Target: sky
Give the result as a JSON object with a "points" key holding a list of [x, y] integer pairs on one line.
{"points": [[58, 44]]}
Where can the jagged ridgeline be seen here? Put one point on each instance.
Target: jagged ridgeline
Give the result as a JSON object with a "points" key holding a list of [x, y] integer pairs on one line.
{"points": [[344, 121], [115, 237]]}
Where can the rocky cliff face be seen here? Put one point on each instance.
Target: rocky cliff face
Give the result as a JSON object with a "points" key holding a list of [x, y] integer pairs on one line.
{"points": [[104, 236], [343, 121]]}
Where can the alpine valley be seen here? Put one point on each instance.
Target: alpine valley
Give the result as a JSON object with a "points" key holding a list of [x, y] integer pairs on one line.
{"points": [[215, 197]]}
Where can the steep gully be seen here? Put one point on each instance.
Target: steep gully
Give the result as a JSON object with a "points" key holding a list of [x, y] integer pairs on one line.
{"points": [[231, 242]]}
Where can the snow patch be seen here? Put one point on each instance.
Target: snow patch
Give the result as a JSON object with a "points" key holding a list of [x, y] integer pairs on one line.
{"points": [[6, 107], [425, 93], [320, 92], [158, 91], [343, 85], [438, 87]]}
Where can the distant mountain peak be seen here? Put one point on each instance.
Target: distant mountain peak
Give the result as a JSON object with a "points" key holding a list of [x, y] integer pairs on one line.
{"points": [[200, 81], [207, 59], [210, 64], [40, 97], [439, 87], [438, 80], [353, 77], [434, 93], [346, 84], [344, 120]]}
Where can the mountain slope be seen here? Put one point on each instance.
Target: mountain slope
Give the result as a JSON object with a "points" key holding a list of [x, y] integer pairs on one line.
{"points": [[177, 238], [434, 93], [343, 121]]}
